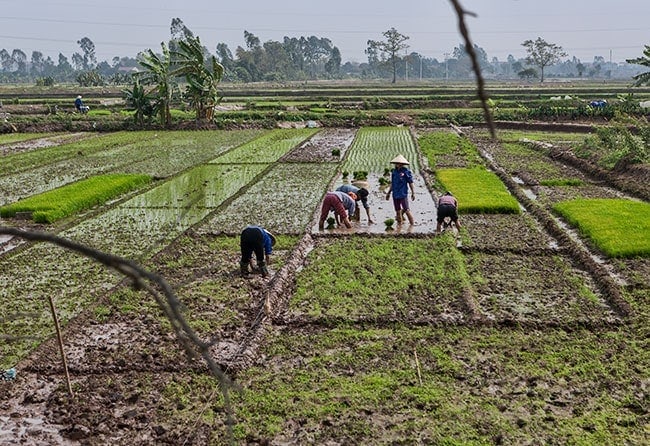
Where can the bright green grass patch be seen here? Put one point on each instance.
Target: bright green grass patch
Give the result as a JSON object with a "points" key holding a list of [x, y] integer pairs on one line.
{"points": [[11, 138], [64, 201], [562, 182], [620, 228], [478, 191]]}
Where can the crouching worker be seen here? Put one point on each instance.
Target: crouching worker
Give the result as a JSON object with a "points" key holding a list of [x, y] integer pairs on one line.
{"points": [[362, 196], [447, 207], [255, 239], [343, 206]]}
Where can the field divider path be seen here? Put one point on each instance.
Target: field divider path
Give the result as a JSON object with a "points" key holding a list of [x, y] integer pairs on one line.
{"points": [[579, 254]]}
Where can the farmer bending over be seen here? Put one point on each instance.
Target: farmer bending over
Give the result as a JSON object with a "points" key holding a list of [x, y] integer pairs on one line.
{"points": [[342, 204], [447, 207], [255, 239], [401, 180], [362, 195]]}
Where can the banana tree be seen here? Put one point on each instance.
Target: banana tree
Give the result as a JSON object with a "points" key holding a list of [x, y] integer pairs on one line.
{"points": [[202, 74], [158, 72], [643, 78], [139, 100]]}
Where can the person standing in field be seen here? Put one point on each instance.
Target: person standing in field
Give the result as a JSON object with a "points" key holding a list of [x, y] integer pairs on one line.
{"points": [[362, 196], [255, 239], [343, 204], [401, 180], [447, 207]]}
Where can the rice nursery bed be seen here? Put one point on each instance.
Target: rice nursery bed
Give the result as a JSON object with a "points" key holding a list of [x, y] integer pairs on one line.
{"points": [[358, 336]]}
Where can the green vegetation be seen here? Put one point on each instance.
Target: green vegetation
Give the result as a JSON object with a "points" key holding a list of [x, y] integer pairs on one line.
{"points": [[267, 148], [64, 201], [478, 191], [374, 147], [439, 144], [616, 145], [619, 228]]}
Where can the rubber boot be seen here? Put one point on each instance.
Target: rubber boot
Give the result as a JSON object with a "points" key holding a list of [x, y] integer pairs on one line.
{"points": [[264, 269], [243, 268]]}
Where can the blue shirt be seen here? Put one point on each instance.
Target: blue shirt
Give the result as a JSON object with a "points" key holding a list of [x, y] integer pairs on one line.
{"points": [[400, 179], [350, 188], [268, 245], [348, 202]]}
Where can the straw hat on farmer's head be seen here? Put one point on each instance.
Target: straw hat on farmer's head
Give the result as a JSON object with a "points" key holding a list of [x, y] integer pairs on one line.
{"points": [[399, 159]]}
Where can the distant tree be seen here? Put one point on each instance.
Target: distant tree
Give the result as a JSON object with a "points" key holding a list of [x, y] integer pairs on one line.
{"points": [[37, 63], [63, 69], [224, 55], [333, 65], [527, 73], [20, 61], [542, 54], [388, 49], [6, 62], [643, 78], [88, 48], [581, 68], [78, 62]]}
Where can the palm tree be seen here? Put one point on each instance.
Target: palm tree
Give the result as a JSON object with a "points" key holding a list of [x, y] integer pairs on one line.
{"points": [[157, 72], [202, 75], [643, 78]]}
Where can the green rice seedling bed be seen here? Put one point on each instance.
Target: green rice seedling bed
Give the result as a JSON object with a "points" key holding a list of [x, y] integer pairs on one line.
{"points": [[374, 147], [267, 148], [381, 278], [535, 289], [447, 149], [72, 198], [618, 227], [283, 200], [478, 191]]}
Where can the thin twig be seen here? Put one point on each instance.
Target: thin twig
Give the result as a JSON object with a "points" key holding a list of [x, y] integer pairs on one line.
{"points": [[469, 47], [60, 341], [417, 365]]}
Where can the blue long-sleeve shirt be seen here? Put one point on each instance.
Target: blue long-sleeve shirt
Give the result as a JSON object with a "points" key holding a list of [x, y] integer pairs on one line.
{"points": [[268, 244]]}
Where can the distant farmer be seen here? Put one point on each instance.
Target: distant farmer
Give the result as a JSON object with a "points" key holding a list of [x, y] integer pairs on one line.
{"points": [[362, 195], [255, 239], [401, 180], [79, 105], [447, 207], [343, 204]]}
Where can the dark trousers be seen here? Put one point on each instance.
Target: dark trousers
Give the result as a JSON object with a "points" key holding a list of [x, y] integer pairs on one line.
{"points": [[252, 241]]}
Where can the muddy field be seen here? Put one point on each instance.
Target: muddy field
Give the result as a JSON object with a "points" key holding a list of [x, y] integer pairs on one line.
{"points": [[542, 340]]}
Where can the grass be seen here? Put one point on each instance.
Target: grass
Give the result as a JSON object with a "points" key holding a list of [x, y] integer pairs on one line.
{"points": [[478, 191], [59, 203], [618, 227], [436, 144]]}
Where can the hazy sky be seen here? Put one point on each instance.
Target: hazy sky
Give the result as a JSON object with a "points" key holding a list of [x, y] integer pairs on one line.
{"points": [[583, 28]]}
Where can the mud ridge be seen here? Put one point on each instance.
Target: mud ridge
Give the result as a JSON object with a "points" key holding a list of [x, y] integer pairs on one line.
{"points": [[579, 255], [633, 183]]}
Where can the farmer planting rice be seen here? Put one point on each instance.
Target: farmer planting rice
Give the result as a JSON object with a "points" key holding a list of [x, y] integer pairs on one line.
{"points": [[401, 181], [362, 196], [255, 239], [447, 207], [343, 204]]}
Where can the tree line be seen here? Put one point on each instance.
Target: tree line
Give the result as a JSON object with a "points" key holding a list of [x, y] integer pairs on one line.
{"points": [[310, 58]]}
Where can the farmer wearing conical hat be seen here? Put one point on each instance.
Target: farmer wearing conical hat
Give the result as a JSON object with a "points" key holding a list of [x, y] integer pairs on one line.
{"points": [[401, 181]]}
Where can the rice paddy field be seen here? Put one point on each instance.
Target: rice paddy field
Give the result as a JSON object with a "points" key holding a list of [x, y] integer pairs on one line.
{"points": [[523, 328]]}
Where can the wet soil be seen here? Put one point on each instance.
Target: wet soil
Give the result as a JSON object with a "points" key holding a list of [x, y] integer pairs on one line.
{"points": [[123, 364]]}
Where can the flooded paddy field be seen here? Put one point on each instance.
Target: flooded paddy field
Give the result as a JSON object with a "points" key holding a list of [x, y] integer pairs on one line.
{"points": [[357, 336]]}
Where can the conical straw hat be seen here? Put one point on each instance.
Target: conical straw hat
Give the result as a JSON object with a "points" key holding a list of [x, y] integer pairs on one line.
{"points": [[399, 159]]}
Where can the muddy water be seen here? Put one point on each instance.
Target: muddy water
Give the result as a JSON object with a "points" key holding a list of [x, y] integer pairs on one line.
{"points": [[423, 209]]}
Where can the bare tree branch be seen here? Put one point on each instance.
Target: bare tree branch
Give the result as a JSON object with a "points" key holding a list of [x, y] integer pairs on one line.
{"points": [[167, 301], [469, 47]]}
